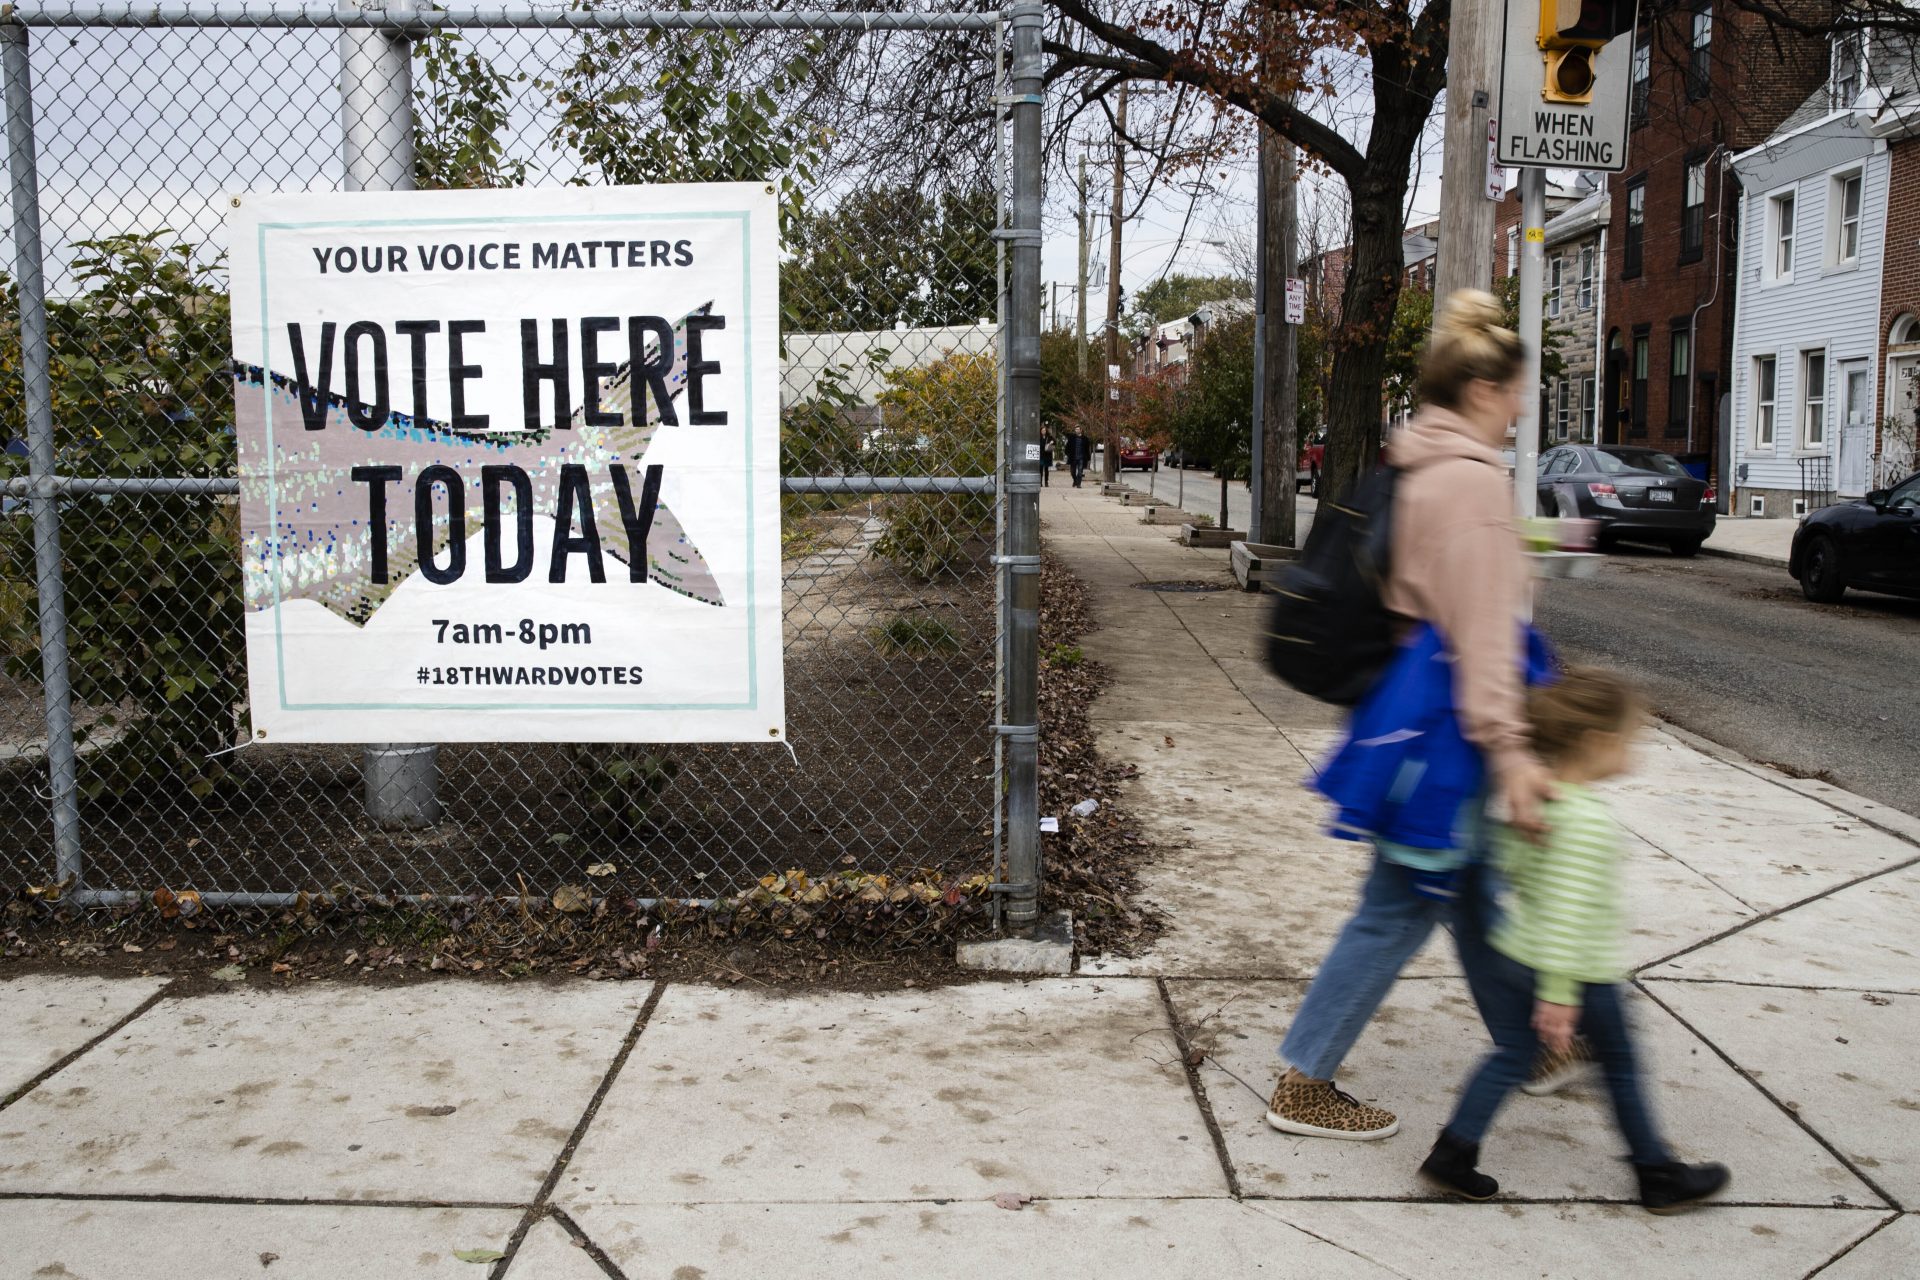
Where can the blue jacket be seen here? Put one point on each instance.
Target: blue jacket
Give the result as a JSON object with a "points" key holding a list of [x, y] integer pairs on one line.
{"points": [[1406, 774]]}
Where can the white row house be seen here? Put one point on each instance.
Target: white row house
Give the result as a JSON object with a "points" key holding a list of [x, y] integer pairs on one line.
{"points": [[1809, 343]]}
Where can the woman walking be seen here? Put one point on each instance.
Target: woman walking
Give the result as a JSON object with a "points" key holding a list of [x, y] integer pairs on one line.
{"points": [[1456, 566]]}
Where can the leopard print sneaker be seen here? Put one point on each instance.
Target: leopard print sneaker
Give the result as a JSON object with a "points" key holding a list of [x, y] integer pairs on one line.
{"points": [[1319, 1109]]}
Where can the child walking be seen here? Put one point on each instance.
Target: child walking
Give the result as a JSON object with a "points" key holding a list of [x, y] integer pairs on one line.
{"points": [[1557, 949]]}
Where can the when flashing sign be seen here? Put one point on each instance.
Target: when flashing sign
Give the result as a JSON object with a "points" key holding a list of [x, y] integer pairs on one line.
{"points": [[1565, 84]]}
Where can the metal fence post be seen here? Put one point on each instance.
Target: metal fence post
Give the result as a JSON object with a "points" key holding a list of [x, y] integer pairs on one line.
{"points": [[401, 780], [1023, 476], [49, 586]]}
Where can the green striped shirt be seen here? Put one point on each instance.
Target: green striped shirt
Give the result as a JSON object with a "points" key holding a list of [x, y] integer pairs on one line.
{"points": [[1563, 916]]}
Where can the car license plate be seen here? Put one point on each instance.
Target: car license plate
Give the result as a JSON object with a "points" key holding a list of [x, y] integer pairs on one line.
{"points": [[1660, 495]]}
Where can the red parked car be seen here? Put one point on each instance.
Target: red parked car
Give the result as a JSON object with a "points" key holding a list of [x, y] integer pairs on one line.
{"points": [[1306, 475], [1135, 454]]}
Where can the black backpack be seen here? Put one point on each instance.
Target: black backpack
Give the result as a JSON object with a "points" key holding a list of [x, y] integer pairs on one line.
{"points": [[1329, 633]]}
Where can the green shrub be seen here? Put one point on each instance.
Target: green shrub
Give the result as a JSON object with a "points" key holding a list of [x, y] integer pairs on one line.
{"points": [[940, 422], [1065, 656], [918, 635], [141, 387]]}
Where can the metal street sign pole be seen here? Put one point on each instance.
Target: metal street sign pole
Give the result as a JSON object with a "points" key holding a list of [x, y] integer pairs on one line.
{"points": [[1565, 89], [1533, 273]]}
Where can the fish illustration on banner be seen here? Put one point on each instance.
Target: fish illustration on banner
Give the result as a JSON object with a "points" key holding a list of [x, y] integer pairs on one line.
{"points": [[324, 545]]}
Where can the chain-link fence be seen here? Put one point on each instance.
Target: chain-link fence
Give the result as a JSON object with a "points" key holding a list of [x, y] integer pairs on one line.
{"points": [[906, 151]]}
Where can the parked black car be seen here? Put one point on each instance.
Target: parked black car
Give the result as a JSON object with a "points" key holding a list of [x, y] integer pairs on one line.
{"points": [[1872, 543], [1635, 493]]}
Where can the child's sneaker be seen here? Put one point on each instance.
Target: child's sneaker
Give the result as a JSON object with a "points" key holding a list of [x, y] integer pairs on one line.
{"points": [[1671, 1187], [1553, 1072], [1451, 1165], [1318, 1109]]}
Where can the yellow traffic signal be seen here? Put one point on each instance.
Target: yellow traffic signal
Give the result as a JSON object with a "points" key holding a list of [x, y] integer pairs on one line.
{"points": [[1572, 32]]}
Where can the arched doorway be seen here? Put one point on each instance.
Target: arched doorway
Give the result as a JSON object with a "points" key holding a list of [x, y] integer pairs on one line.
{"points": [[1900, 416], [1616, 393]]}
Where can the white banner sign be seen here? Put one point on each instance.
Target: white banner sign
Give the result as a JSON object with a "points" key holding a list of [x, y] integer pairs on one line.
{"points": [[509, 464]]}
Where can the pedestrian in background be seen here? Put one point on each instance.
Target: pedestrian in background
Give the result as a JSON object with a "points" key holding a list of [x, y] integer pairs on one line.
{"points": [[1556, 949], [1079, 454], [1046, 457], [1458, 576]]}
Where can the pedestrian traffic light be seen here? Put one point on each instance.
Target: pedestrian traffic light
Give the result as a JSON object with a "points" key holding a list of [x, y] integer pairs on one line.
{"points": [[1572, 32]]}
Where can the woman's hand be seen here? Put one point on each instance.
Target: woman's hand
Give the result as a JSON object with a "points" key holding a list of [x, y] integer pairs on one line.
{"points": [[1554, 1023], [1523, 789]]}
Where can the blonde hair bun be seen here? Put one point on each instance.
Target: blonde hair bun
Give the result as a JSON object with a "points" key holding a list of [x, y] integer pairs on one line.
{"points": [[1471, 342], [1468, 313]]}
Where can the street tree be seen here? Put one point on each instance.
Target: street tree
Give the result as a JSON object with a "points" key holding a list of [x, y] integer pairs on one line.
{"points": [[891, 256], [1177, 296], [1266, 67]]}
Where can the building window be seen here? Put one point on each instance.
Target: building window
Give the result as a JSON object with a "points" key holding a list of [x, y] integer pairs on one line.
{"points": [[1642, 75], [1813, 401], [1780, 234], [1843, 205], [1763, 380], [1849, 70], [1556, 266], [1679, 368], [1562, 407], [1586, 278], [1693, 212], [1636, 228], [1589, 408], [1642, 350], [1700, 59]]}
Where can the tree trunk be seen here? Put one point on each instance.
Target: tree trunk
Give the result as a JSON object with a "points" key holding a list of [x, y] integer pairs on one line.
{"points": [[1360, 342]]}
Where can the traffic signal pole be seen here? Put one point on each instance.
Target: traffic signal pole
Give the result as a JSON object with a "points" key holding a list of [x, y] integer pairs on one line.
{"points": [[1533, 281]]}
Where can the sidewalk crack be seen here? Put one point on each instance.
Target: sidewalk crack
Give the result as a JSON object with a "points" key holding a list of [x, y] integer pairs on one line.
{"points": [[1886, 1199], [1199, 1089], [586, 1243], [86, 1048], [541, 1206]]}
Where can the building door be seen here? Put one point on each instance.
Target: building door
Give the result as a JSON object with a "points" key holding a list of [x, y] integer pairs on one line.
{"points": [[1613, 380], [1856, 430], [1896, 460]]}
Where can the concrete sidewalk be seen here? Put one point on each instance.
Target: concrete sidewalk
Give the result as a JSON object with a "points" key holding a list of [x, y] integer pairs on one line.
{"points": [[1767, 542], [641, 1130]]}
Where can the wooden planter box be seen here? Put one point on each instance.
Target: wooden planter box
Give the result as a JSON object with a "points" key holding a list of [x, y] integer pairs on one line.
{"points": [[1257, 563], [1192, 535]]}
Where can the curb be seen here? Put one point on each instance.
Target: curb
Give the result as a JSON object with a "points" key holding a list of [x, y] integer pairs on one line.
{"points": [[1874, 813], [1746, 557]]}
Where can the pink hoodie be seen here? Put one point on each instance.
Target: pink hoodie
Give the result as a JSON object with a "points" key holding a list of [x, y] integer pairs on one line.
{"points": [[1457, 563]]}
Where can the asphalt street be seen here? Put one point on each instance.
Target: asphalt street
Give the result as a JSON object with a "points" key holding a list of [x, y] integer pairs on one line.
{"points": [[1732, 652]]}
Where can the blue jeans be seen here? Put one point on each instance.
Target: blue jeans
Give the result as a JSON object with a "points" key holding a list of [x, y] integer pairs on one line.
{"points": [[1507, 1007], [1390, 925]]}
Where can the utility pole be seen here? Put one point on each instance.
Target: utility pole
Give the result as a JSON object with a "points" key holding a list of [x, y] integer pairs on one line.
{"points": [[1080, 323], [1281, 393], [1110, 460], [1466, 215]]}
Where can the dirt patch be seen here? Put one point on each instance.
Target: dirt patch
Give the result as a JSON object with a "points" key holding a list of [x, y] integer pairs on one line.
{"points": [[1093, 865], [857, 867]]}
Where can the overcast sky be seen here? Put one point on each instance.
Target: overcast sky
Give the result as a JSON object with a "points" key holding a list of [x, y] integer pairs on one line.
{"points": [[148, 129]]}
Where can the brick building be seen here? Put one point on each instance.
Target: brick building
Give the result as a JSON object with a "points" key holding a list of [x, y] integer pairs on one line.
{"points": [[1898, 409], [1706, 83]]}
